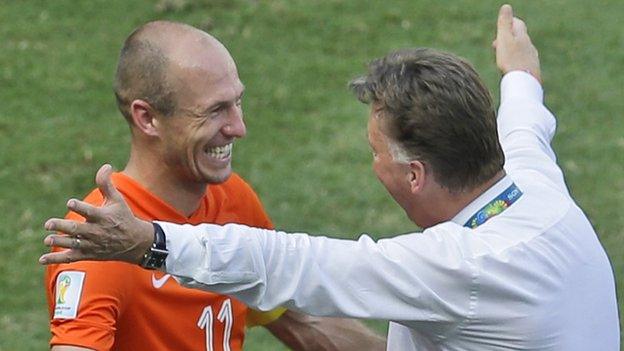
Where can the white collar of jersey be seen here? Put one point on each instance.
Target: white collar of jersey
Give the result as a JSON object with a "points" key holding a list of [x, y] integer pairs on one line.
{"points": [[464, 215]]}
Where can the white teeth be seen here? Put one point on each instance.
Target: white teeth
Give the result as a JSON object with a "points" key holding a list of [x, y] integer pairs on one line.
{"points": [[220, 152]]}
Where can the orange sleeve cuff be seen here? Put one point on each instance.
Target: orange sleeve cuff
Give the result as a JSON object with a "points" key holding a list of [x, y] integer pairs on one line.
{"points": [[81, 334]]}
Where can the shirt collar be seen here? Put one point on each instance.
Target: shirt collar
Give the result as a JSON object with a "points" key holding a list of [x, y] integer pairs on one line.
{"points": [[464, 215]]}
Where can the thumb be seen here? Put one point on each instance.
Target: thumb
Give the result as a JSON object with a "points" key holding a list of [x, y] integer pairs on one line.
{"points": [[505, 21], [105, 184]]}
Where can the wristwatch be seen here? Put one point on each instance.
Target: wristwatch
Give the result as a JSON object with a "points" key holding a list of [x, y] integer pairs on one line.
{"points": [[156, 255]]}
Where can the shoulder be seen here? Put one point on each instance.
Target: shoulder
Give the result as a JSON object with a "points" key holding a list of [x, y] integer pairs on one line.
{"points": [[239, 197], [236, 183], [237, 187], [94, 197], [540, 210], [105, 275], [110, 276], [526, 230]]}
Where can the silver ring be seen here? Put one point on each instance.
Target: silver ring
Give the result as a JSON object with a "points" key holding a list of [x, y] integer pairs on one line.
{"points": [[77, 243]]}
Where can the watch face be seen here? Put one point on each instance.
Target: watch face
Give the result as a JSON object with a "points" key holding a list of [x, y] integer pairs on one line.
{"points": [[156, 255], [154, 258]]}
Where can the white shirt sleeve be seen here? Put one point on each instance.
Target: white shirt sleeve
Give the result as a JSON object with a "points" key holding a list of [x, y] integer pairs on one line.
{"points": [[410, 278], [526, 128]]}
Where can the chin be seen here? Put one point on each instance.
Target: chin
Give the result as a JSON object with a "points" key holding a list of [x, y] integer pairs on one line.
{"points": [[216, 177]]}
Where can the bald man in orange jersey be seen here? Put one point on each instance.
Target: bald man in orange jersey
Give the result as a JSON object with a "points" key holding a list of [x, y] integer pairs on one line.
{"points": [[179, 90]]}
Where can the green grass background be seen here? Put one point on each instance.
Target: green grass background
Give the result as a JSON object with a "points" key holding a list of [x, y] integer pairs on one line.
{"points": [[306, 151]]}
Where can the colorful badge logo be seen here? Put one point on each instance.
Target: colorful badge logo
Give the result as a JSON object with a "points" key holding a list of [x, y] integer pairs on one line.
{"points": [[63, 285], [68, 291], [495, 207]]}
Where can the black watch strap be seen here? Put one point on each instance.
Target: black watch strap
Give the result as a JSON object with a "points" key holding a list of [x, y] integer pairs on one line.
{"points": [[156, 255]]}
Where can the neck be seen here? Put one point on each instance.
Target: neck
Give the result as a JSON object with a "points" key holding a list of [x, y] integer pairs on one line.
{"points": [[149, 171], [442, 205]]}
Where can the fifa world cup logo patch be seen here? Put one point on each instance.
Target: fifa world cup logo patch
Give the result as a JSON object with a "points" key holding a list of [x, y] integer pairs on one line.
{"points": [[68, 292], [63, 285]]}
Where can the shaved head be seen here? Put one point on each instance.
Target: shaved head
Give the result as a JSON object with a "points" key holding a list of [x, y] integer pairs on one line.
{"points": [[144, 71]]}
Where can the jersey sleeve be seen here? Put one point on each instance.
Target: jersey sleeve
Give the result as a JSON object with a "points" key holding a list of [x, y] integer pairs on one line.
{"points": [[85, 299], [257, 218]]}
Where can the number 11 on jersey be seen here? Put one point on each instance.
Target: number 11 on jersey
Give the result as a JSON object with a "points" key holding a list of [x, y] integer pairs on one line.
{"points": [[224, 316]]}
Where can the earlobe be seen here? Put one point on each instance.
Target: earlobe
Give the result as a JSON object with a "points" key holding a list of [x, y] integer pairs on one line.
{"points": [[143, 117]]}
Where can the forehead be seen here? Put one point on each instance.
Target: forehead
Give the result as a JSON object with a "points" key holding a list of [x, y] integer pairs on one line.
{"points": [[206, 81], [376, 134], [377, 123]]}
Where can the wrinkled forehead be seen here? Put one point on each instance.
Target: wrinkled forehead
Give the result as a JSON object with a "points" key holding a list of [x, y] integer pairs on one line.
{"points": [[201, 90], [206, 70], [378, 120], [376, 126]]}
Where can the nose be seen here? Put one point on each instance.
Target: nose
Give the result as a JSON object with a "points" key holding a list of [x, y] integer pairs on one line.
{"points": [[235, 126]]}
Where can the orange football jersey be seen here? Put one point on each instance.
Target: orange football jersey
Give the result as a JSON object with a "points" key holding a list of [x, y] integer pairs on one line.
{"points": [[120, 306]]}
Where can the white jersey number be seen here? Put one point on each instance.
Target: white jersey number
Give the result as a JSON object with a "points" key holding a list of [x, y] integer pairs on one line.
{"points": [[224, 316]]}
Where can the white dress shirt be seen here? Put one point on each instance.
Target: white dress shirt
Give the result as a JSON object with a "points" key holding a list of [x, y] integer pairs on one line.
{"points": [[535, 277]]}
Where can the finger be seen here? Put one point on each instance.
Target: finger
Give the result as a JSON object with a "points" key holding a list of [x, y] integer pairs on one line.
{"points": [[504, 23], [65, 256], [88, 211], [67, 226], [519, 28], [105, 184], [49, 240], [64, 241]]}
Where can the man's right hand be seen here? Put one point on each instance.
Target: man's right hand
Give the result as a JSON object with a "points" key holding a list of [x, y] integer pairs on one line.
{"points": [[111, 232], [514, 49]]}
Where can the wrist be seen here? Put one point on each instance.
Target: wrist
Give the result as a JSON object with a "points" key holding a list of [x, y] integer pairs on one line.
{"points": [[152, 247], [146, 240], [535, 73]]}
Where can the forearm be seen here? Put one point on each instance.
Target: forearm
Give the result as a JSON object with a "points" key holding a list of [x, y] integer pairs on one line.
{"points": [[393, 279], [526, 128], [304, 332], [522, 107], [265, 269]]}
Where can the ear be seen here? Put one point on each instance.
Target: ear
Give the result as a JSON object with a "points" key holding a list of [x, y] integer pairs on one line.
{"points": [[144, 117], [417, 176]]}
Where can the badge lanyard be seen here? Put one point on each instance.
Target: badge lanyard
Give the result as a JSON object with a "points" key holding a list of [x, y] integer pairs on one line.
{"points": [[495, 207]]}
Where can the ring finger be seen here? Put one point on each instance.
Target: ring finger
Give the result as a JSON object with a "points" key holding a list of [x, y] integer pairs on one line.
{"points": [[64, 241]]}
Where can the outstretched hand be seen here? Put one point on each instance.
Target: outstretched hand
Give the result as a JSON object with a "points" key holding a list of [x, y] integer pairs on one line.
{"points": [[514, 49], [110, 232]]}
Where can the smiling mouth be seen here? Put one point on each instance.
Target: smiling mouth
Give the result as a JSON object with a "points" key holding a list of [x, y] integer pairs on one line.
{"points": [[219, 152]]}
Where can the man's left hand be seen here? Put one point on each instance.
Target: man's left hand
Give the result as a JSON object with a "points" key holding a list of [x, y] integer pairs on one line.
{"points": [[110, 232]]}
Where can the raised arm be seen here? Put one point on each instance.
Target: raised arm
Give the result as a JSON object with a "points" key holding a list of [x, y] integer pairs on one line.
{"points": [[525, 126]]}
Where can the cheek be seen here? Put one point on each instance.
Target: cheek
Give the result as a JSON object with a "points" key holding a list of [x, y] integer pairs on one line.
{"points": [[203, 133], [382, 170], [193, 138], [377, 167]]}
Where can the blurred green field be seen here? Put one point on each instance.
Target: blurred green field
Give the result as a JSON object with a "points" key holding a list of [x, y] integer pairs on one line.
{"points": [[306, 151]]}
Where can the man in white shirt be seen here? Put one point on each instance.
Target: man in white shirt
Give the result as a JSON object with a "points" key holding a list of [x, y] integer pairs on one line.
{"points": [[506, 261]]}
